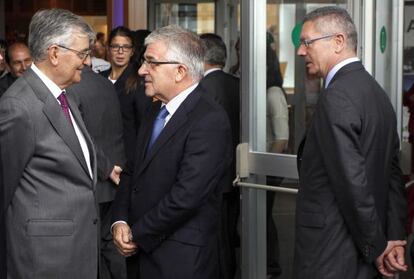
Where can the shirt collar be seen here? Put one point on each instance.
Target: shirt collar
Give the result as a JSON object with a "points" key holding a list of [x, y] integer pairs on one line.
{"points": [[175, 102], [337, 67], [211, 70], [53, 87]]}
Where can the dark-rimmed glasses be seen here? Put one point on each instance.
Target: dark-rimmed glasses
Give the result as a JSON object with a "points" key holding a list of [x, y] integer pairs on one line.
{"points": [[81, 54], [156, 63], [308, 42], [124, 48]]}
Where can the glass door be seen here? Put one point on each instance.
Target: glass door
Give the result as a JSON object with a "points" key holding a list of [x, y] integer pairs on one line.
{"points": [[275, 116]]}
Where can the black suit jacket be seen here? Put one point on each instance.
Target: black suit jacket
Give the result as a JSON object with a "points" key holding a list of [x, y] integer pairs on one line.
{"points": [[5, 83], [134, 105], [172, 201], [351, 196], [224, 89], [98, 103]]}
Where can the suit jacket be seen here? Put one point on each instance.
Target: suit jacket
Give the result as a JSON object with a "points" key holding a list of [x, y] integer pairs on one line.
{"points": [[351, 195], [99, 106], [224, 89], [49, 204], [172, 201], [6, 82], [134, 105]]}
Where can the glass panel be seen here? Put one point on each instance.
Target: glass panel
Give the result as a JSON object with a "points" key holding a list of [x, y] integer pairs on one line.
{"points": [[197, 17], [382, 46], [291, 94]]}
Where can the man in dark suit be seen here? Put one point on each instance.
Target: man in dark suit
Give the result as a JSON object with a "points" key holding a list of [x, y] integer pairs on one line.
{"points": [[47, 157], [167, 211], [99, 106], [224, 89], [350, 215], [19, 60]]}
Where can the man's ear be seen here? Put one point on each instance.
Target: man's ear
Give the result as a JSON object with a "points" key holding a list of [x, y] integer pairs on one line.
{"points": [[340, 42], [53, 55], [182, 72]]}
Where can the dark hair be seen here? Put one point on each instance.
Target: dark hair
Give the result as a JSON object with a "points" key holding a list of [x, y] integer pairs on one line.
{"points": [[3, 44], [100, 36], [215, 49], [133, 79], [123, 32], [273, 74], [139, 42]]}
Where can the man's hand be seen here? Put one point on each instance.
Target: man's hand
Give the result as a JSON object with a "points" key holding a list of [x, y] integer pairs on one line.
{"points": [[391, 261], [123, 239], [116, 174]]}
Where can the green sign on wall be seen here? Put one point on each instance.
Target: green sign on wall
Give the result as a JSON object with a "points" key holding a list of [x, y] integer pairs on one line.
{"points": [[296, 34], [383, 39]]}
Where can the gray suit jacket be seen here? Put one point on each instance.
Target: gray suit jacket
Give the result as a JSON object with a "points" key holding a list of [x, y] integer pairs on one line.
{"points": [[99, 106], [351, 195], [49, 202]]}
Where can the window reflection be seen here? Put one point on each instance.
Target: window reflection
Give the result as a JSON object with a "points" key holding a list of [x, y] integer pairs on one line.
{"points": [[197, 17], [288, 117]]}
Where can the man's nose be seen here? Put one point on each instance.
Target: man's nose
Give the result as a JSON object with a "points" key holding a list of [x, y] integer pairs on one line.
{"points": [[301, 50], [142, 70]]}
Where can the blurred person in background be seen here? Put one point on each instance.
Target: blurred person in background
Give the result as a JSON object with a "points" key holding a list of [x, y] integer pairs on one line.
{"points": [[18, 59], [3, 65]]}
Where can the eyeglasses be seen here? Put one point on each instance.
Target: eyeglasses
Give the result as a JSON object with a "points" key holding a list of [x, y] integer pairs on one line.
{"points": [[308, 42], [153, 63], [81, 54], [116, 48]]}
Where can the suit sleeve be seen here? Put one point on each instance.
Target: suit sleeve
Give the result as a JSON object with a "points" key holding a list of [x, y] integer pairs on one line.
{"points": [[397, 203], [207, 154], [16, 132], [338, 135]]}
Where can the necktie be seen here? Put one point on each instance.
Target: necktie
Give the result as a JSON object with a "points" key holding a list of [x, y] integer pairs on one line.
{"points": [[158, 126], [65, 106]]}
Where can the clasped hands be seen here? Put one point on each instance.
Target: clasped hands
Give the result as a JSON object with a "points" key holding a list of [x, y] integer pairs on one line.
{"points": [[122, 237], [392, 260]]}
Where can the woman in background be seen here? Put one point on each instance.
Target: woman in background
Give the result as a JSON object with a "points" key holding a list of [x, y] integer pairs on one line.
{"points": [[124, 56]]}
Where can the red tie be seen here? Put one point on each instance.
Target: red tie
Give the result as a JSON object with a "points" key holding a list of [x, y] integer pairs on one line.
{"points": [[65, 106]]}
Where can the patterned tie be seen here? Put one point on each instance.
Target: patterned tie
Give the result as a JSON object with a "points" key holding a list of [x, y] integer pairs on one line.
{"points": [[65, 106], [158, 126]]}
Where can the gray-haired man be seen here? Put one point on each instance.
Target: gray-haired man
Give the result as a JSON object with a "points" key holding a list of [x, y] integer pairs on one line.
{"points": [[48, 159]]}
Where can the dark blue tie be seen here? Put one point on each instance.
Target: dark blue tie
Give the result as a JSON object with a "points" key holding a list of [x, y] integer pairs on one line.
{"points": [[158, 126]]}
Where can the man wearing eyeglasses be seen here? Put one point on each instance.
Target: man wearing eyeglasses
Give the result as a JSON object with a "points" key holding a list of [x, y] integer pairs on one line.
{"points": [[48, 160], [166, 211], [350, 214]]}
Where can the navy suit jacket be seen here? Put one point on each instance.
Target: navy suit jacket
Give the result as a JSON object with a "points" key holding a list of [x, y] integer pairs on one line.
{"points": [[351, 195], [224, 89], [172, 198]]}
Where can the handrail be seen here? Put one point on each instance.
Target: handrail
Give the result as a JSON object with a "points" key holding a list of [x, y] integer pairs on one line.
{"points": [[280, 188]]}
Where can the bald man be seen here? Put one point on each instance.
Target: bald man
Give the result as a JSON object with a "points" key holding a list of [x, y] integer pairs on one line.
{"points": [[19, 59]]}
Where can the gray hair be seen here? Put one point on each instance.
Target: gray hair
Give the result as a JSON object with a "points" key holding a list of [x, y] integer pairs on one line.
{"points": [[55, 26], [333, 19], [216, 52], [182, 46]]}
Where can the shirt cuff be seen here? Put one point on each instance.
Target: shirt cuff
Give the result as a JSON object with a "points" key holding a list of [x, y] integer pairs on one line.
{"points": [[117, 222]]}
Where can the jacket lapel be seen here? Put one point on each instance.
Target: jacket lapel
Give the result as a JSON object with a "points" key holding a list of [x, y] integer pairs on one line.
{"points": [[174, 124], [57, 119]]}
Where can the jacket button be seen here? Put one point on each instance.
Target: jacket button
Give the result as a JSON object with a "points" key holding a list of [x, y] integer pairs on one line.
{"points": [[95, 221]]}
